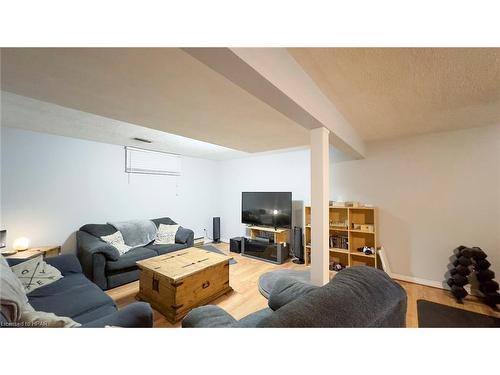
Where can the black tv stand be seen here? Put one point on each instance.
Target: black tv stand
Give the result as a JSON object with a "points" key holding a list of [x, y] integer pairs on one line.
{"points": [[275, 249]]}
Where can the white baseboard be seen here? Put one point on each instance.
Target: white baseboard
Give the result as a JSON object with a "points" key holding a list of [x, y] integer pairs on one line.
{"points": [[411, 279], [431, 283], [417, 280]]}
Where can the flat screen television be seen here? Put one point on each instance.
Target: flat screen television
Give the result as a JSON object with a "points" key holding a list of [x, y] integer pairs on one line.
{"points": [[270, 209]]}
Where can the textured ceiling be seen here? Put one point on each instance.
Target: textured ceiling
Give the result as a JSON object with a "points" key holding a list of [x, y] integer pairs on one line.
{"points": [[160, 88], [31, 114], [389, 93]]}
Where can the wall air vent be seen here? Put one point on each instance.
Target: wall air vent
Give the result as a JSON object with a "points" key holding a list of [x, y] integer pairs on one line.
{"points": [[138, 160], [142, 140]]}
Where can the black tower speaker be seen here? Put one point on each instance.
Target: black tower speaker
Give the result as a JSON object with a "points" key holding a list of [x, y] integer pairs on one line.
{"points": [[216, 229], [298, 248]]}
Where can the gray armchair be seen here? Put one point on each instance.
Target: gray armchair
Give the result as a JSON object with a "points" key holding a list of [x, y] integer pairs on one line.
{"points": [[355, 297], [103, 264]]}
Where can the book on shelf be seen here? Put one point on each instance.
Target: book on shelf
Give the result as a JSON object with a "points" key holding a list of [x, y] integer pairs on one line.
{"points": [[339, 241]]}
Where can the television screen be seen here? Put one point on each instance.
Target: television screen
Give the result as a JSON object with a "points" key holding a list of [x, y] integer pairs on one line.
{"points": [[271, 209]]}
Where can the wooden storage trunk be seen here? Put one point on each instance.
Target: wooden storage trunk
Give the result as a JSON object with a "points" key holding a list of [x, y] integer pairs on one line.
{"points": [[177, 282]]}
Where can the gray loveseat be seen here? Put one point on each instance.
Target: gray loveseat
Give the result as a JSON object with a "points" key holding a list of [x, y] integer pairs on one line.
{"points": [[355, 297], [103, 264], [76, 297]]}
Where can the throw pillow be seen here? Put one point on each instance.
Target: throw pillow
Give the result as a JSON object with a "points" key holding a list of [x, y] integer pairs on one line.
{"points": [[12, 294], [14, 302], [166, 234], [116, 240], [35, 273]]}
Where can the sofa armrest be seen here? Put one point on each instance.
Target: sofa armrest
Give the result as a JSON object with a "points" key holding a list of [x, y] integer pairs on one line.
{"points": [[286, 290], [136, 315], [87, 243], [66, 263], [209, 316], [185, 236], [92, 258]]}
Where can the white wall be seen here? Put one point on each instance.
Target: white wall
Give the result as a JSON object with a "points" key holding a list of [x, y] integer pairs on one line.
{"points": [[51, 185], [286, 171], [434, 192]]}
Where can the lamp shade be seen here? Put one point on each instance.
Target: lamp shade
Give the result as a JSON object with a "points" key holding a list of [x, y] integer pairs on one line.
{"points": [[20, 244]]}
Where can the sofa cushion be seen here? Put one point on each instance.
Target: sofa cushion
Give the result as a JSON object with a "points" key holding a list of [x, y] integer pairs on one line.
{"points": [[163, 220], [95, 314], [70, 296], [135, 315], [127, 261], [164, 249], [99, 230], [66, 263], [122, 277]]}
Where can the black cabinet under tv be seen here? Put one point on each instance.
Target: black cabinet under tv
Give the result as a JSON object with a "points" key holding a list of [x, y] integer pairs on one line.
{"points": [[268, 244], [270, 252]]}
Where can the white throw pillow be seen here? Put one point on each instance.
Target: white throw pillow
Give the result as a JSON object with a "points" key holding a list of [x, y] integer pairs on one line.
{"points": [[166, 234], [14, 302], [116, 240], [35, 273]]}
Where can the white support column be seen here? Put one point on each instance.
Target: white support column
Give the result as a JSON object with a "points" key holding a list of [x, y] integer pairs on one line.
{"points": [[320, 191]]}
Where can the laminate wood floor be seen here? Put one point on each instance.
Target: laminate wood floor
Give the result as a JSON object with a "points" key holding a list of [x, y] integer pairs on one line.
{"points": [[245, 297]]}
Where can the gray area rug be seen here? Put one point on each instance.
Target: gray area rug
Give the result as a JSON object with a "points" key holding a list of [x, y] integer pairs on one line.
{"points": [[268, 279], [435, 315], [215, 250]]}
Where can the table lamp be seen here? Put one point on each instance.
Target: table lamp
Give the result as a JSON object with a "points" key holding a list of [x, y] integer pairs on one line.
{"points": [[21, 244]]}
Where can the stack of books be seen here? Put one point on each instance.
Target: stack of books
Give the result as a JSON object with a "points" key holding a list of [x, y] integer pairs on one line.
{"points": [[339, 241]]}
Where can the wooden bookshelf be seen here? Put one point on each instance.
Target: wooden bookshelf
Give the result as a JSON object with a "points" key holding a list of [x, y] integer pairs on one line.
{"points": [[350, 222]]}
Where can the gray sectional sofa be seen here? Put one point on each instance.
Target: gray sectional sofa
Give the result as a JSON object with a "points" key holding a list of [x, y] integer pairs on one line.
{"points": [[355, 297], [103, 264], [76, 297]]}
